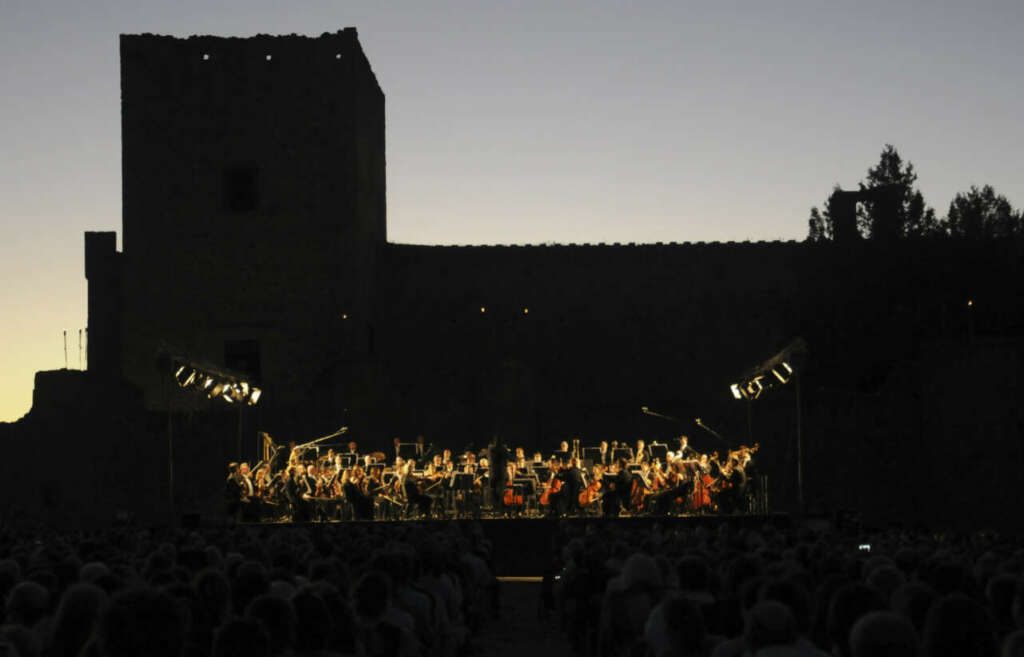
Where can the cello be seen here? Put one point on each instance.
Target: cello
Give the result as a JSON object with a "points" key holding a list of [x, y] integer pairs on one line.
{"points": [[553, 486], [589, 495], [641, 488]]}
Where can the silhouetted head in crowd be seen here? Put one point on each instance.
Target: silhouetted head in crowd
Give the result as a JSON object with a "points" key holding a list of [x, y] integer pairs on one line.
{"points": [[849, 603], [277, 616], [794, 596], [883, 634], [242, 638], [76, 617], [313, 626], [675, 628], [141, 623], [27, 603], [912, 601], [957, 626], [371, 596], [213, 597], [885, 580], [250, 580], [769, 623]]}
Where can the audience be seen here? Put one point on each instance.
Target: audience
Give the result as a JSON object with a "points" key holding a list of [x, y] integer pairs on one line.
{"points": [[674, 589], [245, 591], [408, 590]]}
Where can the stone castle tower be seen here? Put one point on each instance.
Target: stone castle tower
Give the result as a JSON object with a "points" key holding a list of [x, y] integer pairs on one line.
{"points": [[253, 208]]}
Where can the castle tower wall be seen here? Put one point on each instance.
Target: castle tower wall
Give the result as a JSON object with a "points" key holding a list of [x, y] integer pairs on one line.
{"points": [[253, 204]]}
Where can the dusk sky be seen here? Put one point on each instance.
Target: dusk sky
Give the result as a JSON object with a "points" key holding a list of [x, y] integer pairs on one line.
{"points": [[521, 122]]}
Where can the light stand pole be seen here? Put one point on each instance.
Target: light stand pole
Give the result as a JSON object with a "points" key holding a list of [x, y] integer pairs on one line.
{"points": [[799, 447], [238, 444]]}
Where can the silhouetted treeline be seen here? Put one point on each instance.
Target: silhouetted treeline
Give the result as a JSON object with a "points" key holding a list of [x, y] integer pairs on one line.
{"points": [[977, 214]]}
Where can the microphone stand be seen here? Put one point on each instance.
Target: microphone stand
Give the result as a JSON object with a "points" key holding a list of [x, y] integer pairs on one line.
{"points": [[710, 430]]}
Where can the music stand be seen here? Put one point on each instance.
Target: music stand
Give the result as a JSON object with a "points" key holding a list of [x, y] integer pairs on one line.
{"points": [[348, 459], [622, 453], [409, 451], [658, 451], [461, 481], [562, 456]]}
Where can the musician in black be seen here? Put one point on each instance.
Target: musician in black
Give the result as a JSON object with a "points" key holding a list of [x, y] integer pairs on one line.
{"points": [[417, 502], [497, 460], [298, 492], [355, 489], [573, 485], [685, 451], [617, 489]]}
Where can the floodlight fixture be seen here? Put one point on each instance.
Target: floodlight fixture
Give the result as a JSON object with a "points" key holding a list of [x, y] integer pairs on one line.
{"points": [[255, 396], [735, 388]]}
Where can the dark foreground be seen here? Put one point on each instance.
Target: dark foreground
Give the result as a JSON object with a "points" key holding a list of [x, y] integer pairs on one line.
{"points": [[685, 586]]}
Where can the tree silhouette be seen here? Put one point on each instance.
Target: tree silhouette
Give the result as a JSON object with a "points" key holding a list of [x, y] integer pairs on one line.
{"points": [[915, 219], [820, 225], [982, 214]]}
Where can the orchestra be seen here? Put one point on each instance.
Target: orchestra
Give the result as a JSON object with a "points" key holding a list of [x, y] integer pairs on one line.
{"points": [[316, 483]]}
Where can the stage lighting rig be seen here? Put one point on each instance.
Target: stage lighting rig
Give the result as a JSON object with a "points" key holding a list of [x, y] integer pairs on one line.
{"points": [[214, 382]]}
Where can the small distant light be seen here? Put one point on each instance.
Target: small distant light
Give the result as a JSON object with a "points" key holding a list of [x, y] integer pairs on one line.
{"points": [[526, 311], [255, 396], [970, 302], [208, 382], [206, 57], [735, 388], [338, 56], [269, 57], [788, 368], [180, 370], [483, 309], [344, 315]]}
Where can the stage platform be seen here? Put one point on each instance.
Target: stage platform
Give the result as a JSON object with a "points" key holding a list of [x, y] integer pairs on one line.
{"points": [[524, 547]]}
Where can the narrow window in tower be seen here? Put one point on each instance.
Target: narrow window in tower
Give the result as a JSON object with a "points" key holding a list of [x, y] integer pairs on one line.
{"points": [[240, 192]]}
